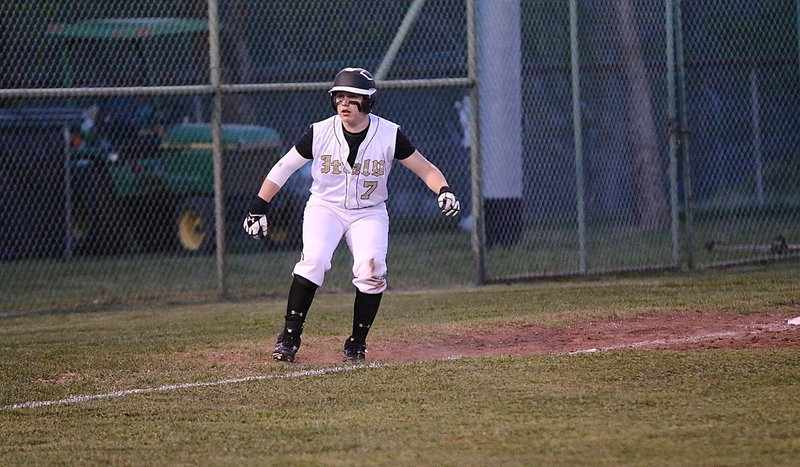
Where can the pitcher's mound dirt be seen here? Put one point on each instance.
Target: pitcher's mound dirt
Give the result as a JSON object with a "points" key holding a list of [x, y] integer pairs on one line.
{"points": [[686, 330]]}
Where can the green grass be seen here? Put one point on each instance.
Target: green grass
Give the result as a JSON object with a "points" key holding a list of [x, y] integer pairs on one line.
{"points": [[417, 260], [657, 407], [626, 407], [46, 285]]}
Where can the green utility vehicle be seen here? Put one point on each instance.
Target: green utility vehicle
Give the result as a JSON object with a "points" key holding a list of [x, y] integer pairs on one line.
{"points": [[157, 192], [141, 174]]}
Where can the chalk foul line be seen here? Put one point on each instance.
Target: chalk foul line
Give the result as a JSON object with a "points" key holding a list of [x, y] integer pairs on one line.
{"points": [[681, 340], [339, 369], [170, 387]]}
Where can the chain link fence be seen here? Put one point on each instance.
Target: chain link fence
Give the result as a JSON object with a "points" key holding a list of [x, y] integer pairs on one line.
{"points": [[615, 135], [743, 114]]}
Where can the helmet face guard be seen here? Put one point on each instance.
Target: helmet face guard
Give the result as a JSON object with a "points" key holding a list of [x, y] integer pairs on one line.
{"points": [[355, 81]]}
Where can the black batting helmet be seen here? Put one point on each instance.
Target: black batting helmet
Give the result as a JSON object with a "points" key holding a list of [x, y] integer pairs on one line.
{"points": [[356, 81]]}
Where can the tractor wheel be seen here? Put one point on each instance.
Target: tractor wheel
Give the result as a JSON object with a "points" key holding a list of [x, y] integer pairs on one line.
{"points": [[194, 225], [286, 223], [96, 223]]}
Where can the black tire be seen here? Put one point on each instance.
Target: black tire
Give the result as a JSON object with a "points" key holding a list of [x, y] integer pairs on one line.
{"points": [[286, 222], [96, 226], [193, 225], [150, 216]]}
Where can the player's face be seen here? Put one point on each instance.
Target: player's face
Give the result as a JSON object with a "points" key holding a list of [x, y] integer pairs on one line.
{"points": [[348, 106]]}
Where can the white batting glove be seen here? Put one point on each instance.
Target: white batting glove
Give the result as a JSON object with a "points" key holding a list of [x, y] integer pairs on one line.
{"points": [[255, 223], [448, 202]]}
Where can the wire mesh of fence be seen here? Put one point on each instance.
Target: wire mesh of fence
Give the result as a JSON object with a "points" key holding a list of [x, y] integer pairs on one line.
{"points": [[581, 137]]}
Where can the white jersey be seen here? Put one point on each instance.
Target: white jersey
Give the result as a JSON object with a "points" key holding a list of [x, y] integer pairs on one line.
{"points": [[363, 184]]}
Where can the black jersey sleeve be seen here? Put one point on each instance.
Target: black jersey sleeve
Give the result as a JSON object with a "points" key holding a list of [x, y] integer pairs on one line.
{"points": [[403, 147], [305, 143]]}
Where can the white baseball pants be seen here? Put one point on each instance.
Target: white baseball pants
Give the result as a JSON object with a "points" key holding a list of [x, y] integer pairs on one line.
{"points": [[366, 232]]}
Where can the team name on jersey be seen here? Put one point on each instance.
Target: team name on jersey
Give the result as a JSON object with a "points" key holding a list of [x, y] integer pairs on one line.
{"points": [[335, 166]]}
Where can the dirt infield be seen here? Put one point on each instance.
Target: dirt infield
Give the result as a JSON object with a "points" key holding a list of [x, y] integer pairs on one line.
{"points": [[685, 330]]}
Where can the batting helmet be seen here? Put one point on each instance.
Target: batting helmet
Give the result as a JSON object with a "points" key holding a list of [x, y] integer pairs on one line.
{"points": [[357, 81]]}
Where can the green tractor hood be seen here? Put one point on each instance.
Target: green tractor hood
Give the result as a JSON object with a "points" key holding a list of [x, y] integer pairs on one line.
{"points": [[248, 151], [234, 137]]}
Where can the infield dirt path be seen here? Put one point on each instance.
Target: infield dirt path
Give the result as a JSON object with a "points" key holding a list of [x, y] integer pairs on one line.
{"points": [[685, 330]]}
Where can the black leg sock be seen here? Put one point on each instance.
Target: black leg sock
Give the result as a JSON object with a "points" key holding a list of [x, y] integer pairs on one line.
{"points": [[301, 294], [365, 309]]}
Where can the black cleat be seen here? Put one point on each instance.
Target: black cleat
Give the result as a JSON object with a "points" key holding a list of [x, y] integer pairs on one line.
{"points": [[354, 351], [286, 348]]}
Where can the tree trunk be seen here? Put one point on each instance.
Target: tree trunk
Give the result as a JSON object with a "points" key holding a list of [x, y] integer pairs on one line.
{"points": [[237, 108], [652, 207], [235, 56]]}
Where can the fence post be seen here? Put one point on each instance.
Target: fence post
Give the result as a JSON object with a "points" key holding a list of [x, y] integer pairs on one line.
{"points": [[755, 119], [797, 32], [478, 231], [688, 197], [678, 141], [578, 133], [216, 144], [673, 134], [68, 195], [399, 38]]}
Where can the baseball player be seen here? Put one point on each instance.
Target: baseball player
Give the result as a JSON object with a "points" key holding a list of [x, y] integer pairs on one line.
{"points": [[351, 155]]}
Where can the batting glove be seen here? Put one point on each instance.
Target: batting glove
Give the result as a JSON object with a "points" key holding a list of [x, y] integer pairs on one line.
{"points": [[448, 202], [255, 223]]}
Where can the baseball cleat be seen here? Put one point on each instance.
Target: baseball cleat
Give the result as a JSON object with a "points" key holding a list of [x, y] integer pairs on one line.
{"points": [[354, 351], [285, 349]]}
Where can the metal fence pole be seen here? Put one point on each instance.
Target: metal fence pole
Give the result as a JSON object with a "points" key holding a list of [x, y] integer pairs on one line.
{"points": [[672, 126], [755, 118], [68, 195], [578, 133], [680, 76], [216, 144], [797, 32], [399, 38], [478, 231]]}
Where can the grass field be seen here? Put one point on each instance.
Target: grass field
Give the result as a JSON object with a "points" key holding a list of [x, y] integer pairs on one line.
{"points": [[713, 407]]}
